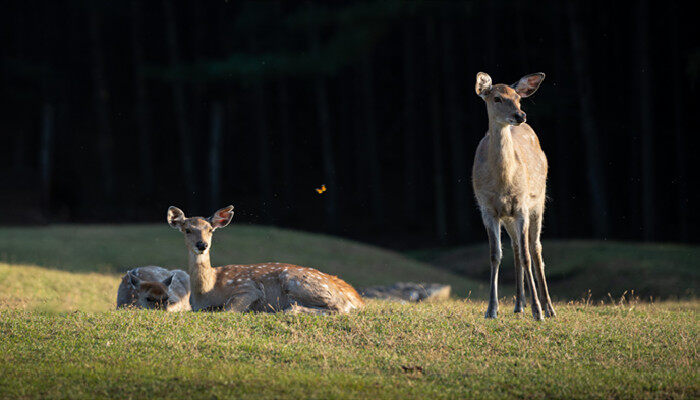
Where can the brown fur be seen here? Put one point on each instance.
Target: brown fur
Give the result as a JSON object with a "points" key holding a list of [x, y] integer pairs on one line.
{"points": [[256, 287], [509, 179], [155, 289]]}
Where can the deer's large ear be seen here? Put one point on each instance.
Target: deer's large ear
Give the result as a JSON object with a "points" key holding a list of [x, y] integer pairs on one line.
{"points": [[175, 217], [168, 281], [222, 217], [528, 84], [134, 280], [483, 84]]}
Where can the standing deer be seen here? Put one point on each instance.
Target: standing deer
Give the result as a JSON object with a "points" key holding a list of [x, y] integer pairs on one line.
{"points": [[256, 287], [509, 178]]}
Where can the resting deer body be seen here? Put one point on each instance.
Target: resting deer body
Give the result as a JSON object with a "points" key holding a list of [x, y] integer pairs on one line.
{"points": [[257, 287], [156, 288], [509, 179]]}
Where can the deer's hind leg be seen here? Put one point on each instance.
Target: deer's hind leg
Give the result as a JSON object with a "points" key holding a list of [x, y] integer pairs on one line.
{"points": [[306, 294], [244, 297], [296, 309], [521, 228], [519, 279], [536, 253], [493, 229]]}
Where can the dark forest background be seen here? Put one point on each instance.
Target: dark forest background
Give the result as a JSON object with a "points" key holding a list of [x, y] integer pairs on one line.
{"points": [[115, 110]]}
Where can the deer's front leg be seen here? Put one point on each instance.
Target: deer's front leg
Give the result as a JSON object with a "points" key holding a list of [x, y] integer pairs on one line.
{"points": [[521, 228], [519, 280], [493, 229]]}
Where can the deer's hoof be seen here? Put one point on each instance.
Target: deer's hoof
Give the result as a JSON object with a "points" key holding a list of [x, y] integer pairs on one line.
{"points": [[537, 314], [518, 308], [491, 314], [549, 312]]}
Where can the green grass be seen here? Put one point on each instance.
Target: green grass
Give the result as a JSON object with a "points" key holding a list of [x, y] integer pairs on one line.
{"points": [[661, 271], [61, 338], [113, 249], [629, 351], [35, 288]]}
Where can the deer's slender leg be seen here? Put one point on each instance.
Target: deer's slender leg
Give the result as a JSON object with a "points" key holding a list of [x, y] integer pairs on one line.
{"points": [[519, 281], [536, 252], [522, 224], [243, 297], [298, 309], [493, 229]]}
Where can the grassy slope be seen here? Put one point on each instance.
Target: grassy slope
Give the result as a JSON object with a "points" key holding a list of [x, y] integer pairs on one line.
{"points": [[35, 288], [112, 249], [614, 351], [624, 351], [574, 267]]}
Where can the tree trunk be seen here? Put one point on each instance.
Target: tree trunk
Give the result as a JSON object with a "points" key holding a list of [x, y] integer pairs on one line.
{"points": [[285, 126], [589, 125], [460, 172], [681, 174], [560, 175], [324, 127], [410, 199], [375, 173], [101, 94], [186, 149], [436, 128], [217, 115], [45, 146], [358, 127], [263, 134], [198, 114], [287, 142], [645, 117], [141, 105]]}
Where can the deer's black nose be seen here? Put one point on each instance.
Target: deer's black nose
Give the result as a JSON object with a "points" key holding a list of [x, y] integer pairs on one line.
{"points": [[519, 117], [201, 246]]}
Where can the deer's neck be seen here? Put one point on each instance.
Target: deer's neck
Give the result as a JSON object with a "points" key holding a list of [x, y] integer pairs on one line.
{"points": [[501, 152], [202, 275]]}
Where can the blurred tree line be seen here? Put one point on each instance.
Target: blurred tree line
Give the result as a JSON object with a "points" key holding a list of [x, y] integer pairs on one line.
{"points": [[115, 110]]}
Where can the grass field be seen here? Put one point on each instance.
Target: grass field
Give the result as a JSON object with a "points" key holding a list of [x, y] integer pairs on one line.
{"points": [[113, 249], [61, 338], [426, 351], [575, 267]]}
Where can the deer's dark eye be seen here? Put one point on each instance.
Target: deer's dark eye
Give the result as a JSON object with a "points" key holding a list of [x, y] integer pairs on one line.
{"points": [[188, 231], [151, 299], [497, 99]]}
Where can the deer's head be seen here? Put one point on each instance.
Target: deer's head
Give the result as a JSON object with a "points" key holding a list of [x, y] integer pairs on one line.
{"points": [[503, 101], [151, 294], [198, 231]]}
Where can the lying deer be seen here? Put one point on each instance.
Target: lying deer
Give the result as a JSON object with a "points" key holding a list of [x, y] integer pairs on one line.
{"points": [[509, 179], [156, 288], [257, 287]]}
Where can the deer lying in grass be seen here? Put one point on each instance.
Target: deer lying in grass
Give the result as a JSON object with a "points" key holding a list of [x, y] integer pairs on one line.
{"points": [[267, 287], [155, 288], [509, 179]]}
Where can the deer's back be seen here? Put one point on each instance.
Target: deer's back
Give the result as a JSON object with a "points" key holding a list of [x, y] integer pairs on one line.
{"points": [[282, 285]]}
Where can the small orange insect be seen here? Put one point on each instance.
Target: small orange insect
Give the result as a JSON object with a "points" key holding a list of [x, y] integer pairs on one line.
{"points": [[321, 189]]}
